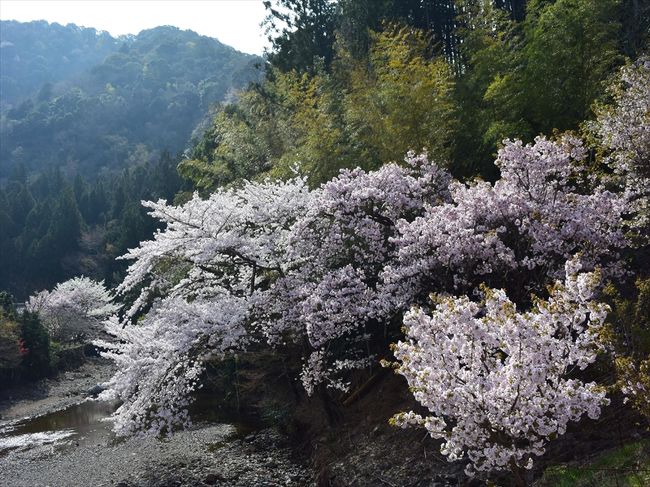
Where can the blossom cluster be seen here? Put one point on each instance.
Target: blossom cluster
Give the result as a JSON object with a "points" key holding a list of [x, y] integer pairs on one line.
{"points": [[160, 360], [516, 233], [339, 248], [195, 281], [494, 379], [74, 309], [623, 128], [284, 263]]}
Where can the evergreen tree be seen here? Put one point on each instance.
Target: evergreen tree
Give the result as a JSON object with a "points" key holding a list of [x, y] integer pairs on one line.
{"points": [[571, 47], [36, 362], [301, 32]]}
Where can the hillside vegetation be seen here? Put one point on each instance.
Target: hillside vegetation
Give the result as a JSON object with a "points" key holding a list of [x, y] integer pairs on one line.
{"points": [[83, 141], [146, 93]]}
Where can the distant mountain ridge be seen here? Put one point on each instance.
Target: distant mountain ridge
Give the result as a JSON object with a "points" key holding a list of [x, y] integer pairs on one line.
{"points": [[35, 53], [83, 101]]}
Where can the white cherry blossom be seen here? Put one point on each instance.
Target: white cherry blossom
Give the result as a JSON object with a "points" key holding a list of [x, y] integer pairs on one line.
{"points": [[496, 381], [74, 309]]}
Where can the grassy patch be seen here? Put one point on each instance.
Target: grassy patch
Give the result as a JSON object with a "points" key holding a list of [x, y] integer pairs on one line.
{"points": [[628, 466]]}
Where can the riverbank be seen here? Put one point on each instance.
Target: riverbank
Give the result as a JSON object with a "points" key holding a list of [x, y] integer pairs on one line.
{"points": [[204, 455], [50, 437], [52, 394]]}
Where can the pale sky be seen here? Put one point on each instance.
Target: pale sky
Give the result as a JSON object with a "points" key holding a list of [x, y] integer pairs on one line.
{"points": [[234, 22]]}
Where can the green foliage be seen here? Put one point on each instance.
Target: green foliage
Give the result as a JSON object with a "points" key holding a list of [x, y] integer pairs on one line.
{"points": [[355, 114], [79, 229], [148, 95], [10, 356], [316, 138], [302, 32], [7, 305], [10, 345], [402, 101], [37, 54], [627, 466], [629, 336], [631, 316], [436, 17], [530, 77], [571, 47], [36, 362], [240, 142], [454, 77], [635, 27], [490, 50], [24, 344]]}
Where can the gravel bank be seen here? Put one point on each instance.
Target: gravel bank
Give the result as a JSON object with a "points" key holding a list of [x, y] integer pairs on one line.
{"points": [[48, 395], [207, 454]]}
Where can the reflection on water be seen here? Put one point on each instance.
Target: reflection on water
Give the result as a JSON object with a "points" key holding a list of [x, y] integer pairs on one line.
{"points": [[82, 423], [85, 424]]}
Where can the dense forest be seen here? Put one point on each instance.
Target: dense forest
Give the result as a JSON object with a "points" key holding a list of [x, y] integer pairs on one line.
{"points": [[457, 190], [360, 83], [148, 94]]}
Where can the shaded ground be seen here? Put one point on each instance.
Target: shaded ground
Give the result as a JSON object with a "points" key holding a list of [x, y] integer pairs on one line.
{"points": [[363, 450], [357, 448], [205, 455]]}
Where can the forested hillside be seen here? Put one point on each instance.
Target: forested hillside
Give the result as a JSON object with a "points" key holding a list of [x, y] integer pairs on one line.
{"points": [[146, 96], [93, 136], [36, 55], [359, 83]]}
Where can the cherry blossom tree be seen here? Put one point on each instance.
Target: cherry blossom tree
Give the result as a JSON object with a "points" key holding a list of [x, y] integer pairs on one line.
{"points": [[338, 249], [516, 233], [74, 309], [622, 130], [194, 282], [495, 380], [325, 272], [161, 359], [268, 262], [327, 269]]}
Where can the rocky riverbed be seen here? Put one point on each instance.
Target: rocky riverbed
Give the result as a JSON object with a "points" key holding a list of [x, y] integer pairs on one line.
{"points": [[50, 437], [48, 395]]}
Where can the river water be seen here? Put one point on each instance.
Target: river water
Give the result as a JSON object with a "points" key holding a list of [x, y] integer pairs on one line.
{"points": [[76, 447], [81, 424]]}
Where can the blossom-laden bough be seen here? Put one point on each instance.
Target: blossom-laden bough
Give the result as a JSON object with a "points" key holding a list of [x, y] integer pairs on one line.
{"points": [[495, 380], [269, 262], [276, 263], [516, 233], [622, 132], [195, 282]]}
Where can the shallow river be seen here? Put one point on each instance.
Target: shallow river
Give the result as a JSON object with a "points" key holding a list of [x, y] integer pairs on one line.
{"points": [[81, 424], [76, 447]]}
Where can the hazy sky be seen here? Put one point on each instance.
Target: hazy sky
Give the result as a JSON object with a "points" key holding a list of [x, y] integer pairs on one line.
{"points": [[233, 22]]}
